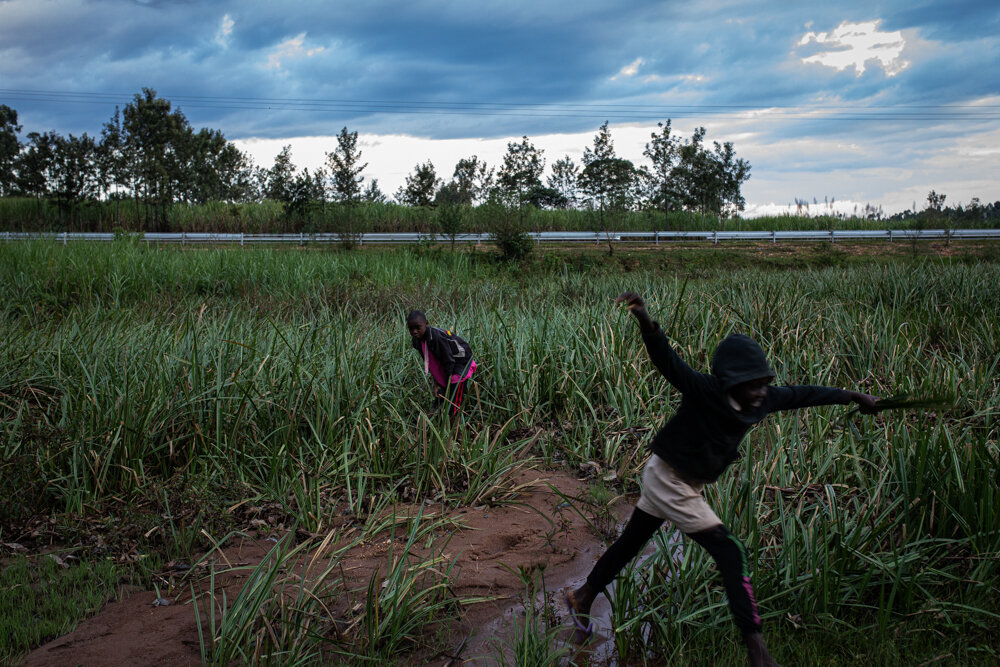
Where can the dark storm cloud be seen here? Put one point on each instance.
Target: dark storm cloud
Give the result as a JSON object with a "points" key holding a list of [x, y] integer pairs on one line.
{"points": [[962, 20], [732, 54]]}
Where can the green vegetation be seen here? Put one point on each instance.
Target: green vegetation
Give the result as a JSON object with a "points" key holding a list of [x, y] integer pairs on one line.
{"points": [[269, 217], [284, 377], [149, 153], [44, 597], [150, 171]]}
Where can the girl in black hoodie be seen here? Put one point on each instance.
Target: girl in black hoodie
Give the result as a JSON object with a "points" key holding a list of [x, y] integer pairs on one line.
{"points": [[692, 449]]}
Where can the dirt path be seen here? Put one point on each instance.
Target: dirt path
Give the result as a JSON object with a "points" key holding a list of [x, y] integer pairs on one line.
{"points": [[540, 531]]}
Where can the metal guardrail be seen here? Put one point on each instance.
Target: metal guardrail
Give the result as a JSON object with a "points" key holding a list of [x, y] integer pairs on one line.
{"points": [[655, 237]]}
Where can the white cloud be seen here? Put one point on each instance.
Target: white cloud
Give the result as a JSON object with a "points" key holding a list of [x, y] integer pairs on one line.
{"points": [[841, 175], [225, 30], [679, 78], [855, 44], [291, 49], [629, 70]]}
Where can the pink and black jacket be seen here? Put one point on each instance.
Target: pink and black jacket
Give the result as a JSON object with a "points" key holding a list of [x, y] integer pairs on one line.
{"points": [[447, 357]]}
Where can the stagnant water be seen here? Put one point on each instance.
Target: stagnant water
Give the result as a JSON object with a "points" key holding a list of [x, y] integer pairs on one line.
{"points": [[483, 648]]}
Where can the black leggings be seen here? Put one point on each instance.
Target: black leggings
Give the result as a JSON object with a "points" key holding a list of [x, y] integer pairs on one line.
{"points": [[728, 552]]}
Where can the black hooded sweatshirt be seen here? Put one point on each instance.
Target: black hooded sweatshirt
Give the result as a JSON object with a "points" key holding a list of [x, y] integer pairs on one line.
{"points": [[703, 437]]}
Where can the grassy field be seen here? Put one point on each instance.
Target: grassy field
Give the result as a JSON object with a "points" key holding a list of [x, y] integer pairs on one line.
{"points": [[138, 383]]}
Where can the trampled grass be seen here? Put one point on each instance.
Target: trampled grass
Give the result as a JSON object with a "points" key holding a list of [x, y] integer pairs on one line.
{"points": [[288, 374]]}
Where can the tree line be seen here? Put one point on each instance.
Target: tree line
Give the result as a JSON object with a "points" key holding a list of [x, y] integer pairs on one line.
{"points": [[150, 170], [148, 153], [975, 212]]}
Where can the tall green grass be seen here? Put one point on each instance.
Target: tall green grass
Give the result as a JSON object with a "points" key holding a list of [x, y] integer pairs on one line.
{"points": [[291, 373], [270, 217]]}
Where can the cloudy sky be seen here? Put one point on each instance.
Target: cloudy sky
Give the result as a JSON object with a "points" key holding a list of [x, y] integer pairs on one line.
{"points": [[858, 102]]}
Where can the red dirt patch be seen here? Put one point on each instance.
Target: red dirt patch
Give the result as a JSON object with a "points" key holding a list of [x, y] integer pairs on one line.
{"points": [[540, 530]]}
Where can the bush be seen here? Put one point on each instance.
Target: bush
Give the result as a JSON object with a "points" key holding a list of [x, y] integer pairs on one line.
{"points": [[510, 233], [451, 221], [349, 227]]}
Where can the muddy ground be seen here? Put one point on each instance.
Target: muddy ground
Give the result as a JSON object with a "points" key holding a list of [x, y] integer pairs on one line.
{"points": [[539, 530]]}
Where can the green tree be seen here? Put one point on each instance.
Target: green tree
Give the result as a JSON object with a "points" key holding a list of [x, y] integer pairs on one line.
{"points": [[543, 197], [421, 186], [345, 168], [373, 194], [236, 175], [74, 174], [210, 168], [509, 231], [450, 219], [35, 163], [565, 179], [603, 147], [304, 196], [710, 181], [645, 189], [10, 147], [280, 177], [661, 185], [935, 201], [521, 171], [112, 162], [732, 172], [694, 173], [449, 194], [935, 215], [154, 134], [974, 211], [608, 183], [472, 180]]}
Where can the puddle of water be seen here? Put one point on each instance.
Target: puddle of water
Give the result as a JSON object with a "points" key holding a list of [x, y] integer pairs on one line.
{"points": [[599, 651]]}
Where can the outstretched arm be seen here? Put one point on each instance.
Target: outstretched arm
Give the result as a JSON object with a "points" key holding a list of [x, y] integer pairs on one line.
{"points": [[805, 396], [661, 353]]}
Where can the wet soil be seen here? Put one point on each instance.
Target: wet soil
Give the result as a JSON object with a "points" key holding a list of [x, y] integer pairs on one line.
{"points": [[540, 531]]}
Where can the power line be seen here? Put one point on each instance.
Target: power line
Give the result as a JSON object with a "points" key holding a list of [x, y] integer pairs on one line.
{"points": [[970, 112], [505, 104]]}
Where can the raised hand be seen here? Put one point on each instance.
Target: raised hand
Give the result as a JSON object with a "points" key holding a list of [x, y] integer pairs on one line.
{"points": [[637, 307], [632, 299]]}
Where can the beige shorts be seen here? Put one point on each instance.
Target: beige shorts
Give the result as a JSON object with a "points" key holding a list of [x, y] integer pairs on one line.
{"points": [[666, 496]]}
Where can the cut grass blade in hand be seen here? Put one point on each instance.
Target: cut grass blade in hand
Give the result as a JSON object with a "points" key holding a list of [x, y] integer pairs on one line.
{"points": [[907, 402]]}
